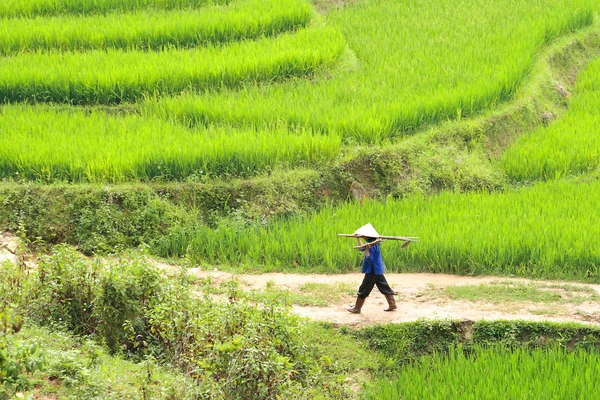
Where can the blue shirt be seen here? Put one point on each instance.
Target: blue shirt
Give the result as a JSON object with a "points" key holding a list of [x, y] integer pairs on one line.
{"points": [[373, 264]]}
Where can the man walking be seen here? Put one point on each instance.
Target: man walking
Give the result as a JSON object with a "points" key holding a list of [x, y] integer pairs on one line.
{"points": [[373, 269]]}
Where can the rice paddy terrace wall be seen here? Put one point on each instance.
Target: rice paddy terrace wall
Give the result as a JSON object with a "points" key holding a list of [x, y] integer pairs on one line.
{"points": [[485, 359]]}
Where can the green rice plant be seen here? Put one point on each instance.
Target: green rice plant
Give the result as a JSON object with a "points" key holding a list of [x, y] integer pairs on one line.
{"points": [[32, 8], [113, 76], [494, 373], [547, 230], [570, 146], [155, 29], [415, 63], [41, 143]]}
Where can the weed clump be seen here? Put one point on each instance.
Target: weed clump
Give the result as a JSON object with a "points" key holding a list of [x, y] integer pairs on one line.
{"points": [[231, 348]]}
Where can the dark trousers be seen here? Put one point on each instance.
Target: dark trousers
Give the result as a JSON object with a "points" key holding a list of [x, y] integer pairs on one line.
{"points": [[371, 280]]}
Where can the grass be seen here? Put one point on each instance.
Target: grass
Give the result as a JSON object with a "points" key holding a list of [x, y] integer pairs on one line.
{"points": [[346, 353], [493, 373], [32, 8], [114, 76], [571, 146], [329, 293], [506, 291], [92, 146], [306, 295], [155, 29], [414, 64], [545, 311], [77, 368], [547, 230]]}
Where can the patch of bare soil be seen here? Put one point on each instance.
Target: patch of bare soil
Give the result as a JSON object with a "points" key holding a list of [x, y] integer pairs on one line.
{"points": [[412, 303], [8, 247]]}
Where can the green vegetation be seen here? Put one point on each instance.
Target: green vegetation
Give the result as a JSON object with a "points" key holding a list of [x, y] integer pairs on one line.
{"points": [[154, 29], [17, 359], [404, 345], [182, 96], [497, 234], [100, 218], [234, 223], [506, 291], [32, 8], [70, 368], [90, 146], [415, 63], [209, 344], [113, 76], [407, 342], [497, 372], [568, 147], [309, 294], [230, 350]]}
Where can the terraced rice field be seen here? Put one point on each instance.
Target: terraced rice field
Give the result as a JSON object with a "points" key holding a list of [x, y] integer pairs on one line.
{"points": [[414, 62], [547, 230], [243, 65], [104, 58], [110, 52], [571, 146], [32, 8], [154, 28], [208, 93], [114, 76], [236, 88], [494, 373], [95, 147]]}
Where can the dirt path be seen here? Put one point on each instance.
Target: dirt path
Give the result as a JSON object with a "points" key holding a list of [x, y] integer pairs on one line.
{"points": [[422, 296]]}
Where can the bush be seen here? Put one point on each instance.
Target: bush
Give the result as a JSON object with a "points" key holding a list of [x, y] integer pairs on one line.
{"points": [[64, 290], [109, 299], [16, 359], [129, 289], [233, 349], [241, 350], [16, 362]]}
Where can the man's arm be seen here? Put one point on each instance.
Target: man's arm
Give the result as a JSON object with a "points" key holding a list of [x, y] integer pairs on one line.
{"points": [[360, 243]]}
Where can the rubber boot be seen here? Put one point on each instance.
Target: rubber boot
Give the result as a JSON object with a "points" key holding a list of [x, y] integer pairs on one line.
{"points": [[359, 303], [391, 302]]}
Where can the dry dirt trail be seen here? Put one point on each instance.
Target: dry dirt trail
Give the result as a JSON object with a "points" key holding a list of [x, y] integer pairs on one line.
{"points": [[421, 296]]}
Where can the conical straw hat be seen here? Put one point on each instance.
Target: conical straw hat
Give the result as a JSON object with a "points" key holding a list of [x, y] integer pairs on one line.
{"points": [[367, 231]]}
